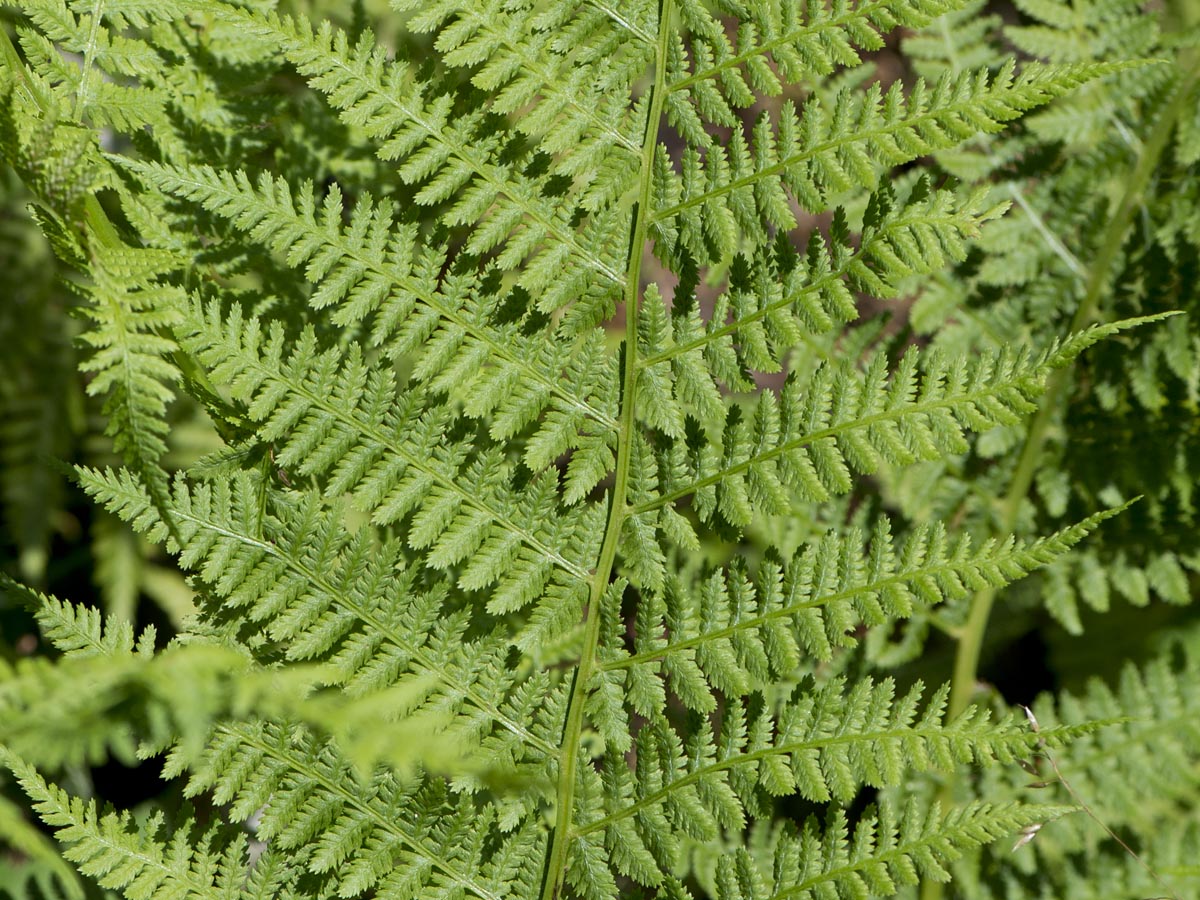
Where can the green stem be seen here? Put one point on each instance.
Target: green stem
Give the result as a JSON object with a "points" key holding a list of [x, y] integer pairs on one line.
{"points": [[969, 648], [556, 864], [970, 645], [89, 60], [1183, 14]]}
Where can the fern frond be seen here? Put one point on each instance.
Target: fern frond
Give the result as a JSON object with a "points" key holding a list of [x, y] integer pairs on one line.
{"points": [[776, 45], [371, 838], [778, 301], [889, 848], [132, 310], [466, 620], [894, 847], [565, 86], [817, 151], [825, 743], [80, 631], [451, 153], [373, 270], [319, 593], [734, 633], [122, 855], [330, 416], [815, 434]]}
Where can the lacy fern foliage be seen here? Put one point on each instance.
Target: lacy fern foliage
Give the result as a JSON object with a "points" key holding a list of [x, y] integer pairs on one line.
{"points": [[484, 311]]}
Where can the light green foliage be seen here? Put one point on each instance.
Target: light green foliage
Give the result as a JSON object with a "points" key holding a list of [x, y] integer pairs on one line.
{"points": [[488, 597]]}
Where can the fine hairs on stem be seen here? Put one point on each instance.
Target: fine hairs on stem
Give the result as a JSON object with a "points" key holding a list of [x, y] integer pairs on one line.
{"points": [[1028, 834]]}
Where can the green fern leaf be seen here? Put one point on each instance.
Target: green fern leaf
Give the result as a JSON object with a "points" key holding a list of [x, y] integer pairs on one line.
{"points": [[489, 601]]}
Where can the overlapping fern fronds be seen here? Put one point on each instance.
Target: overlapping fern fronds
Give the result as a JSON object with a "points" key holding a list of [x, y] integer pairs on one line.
{"points": [[1115, 231], [456, 635]]}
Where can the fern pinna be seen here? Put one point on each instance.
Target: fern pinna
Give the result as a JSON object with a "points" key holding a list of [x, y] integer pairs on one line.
{"points": [[484, 337]]}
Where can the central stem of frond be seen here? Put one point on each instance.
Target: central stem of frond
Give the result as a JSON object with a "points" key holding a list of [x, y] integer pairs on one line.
{"points": [[556, 864]]}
